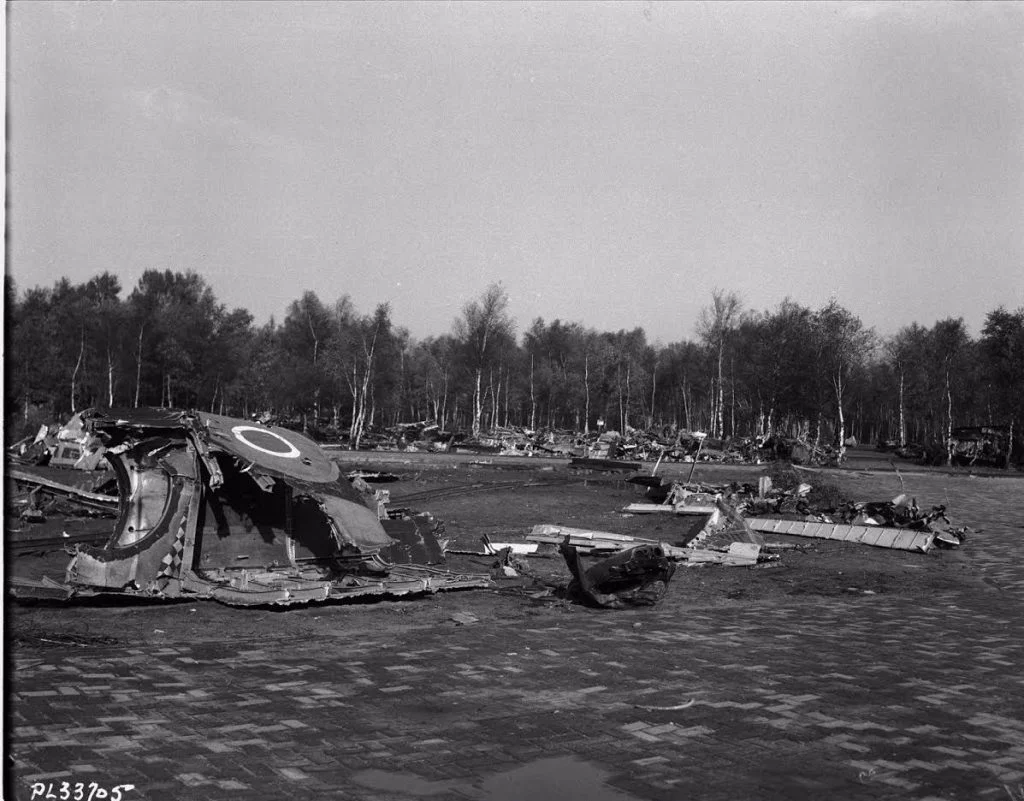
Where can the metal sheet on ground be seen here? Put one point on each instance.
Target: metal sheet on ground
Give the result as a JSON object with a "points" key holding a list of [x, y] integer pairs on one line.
{"points": [[896, 538]]}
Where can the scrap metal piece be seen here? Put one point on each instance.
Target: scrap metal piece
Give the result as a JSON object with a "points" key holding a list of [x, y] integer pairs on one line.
{"points": [[415, 540], [94, 500], [638, 576], [605, 542], [515, 548], [711, 511], [896, 538], [740, 524], [585, 539], [740, 554]]}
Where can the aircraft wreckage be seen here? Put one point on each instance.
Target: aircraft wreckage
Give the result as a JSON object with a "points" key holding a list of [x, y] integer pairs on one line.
{"points": [[243, 513]]}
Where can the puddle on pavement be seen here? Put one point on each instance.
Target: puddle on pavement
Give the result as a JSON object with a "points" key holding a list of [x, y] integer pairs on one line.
{"points": [[403, 783], [564, 778]]}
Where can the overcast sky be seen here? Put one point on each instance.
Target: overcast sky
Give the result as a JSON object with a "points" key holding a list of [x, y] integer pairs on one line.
{"points": [[608, 163]]}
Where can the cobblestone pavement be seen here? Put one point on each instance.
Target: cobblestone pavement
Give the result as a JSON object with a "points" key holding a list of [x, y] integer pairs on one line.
{"points": [[875, 696]]}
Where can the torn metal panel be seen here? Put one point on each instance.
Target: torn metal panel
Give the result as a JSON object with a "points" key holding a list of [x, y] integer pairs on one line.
{"points": [[741, 526], [42, 589], [638, 576], [711, 511], [604, 542], [649, 508], [93, 500], [213, 507], [516, 548], [413, 541], [585, 539], [740, 554], [897, 538]]}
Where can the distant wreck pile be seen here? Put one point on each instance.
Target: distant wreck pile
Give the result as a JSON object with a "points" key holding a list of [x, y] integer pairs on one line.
{"points": [[632, 444]]}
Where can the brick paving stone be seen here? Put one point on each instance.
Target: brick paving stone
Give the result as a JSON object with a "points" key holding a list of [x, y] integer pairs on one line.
{"points": [[870, 697]]}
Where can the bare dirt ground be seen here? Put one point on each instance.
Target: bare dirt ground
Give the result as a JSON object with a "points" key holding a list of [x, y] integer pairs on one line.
{"points": [[503, 499]]}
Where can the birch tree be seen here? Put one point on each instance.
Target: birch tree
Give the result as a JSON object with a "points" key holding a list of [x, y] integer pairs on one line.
{"points": [[844, 345], [949, 342], [716, 325], [483, 323]]}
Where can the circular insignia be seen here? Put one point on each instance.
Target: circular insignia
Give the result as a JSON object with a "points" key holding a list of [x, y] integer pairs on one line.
{"points": [[264, 441]]}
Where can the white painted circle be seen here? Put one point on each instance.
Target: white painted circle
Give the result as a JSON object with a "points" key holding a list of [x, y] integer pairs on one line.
{"points": [[292, 453]]}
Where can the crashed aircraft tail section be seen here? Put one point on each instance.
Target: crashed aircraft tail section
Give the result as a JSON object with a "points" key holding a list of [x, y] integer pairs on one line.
{"points": [[212, 507]]}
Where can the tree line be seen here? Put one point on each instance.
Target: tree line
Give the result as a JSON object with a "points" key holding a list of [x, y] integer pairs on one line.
{"points": [[817, 374]]}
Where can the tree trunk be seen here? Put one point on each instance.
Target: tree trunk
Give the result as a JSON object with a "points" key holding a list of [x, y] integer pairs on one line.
{"points": [[586, 393], [138, 367], [508, 380], [622, 413], [364, 392], [686, 406], [713, 408], [732, 386], [654, 389], [74, 373], [353, 385], [903, 419], [444, 402], [533, 399], [719, 424], [949, 421], [495, 394], [842, 419], [110, 378], [1009, 446], [625, 416], [478, 402], [620, 426]]}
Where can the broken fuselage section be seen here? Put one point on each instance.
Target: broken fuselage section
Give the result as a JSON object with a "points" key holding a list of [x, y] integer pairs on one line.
{"points": [[243, 513]]}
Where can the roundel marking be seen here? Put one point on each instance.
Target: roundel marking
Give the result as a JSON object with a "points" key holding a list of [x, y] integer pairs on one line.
{"points": [[271, 438]]}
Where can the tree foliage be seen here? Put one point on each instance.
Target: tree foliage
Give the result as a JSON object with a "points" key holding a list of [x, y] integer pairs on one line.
{"points": [[794, 370]]}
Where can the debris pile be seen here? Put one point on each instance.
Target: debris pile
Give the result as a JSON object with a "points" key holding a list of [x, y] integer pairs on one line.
{"points": [[986, 445], [248, 513], [244, 513], [726, 527], [899, 523], [68, 445], [37, 495]]}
